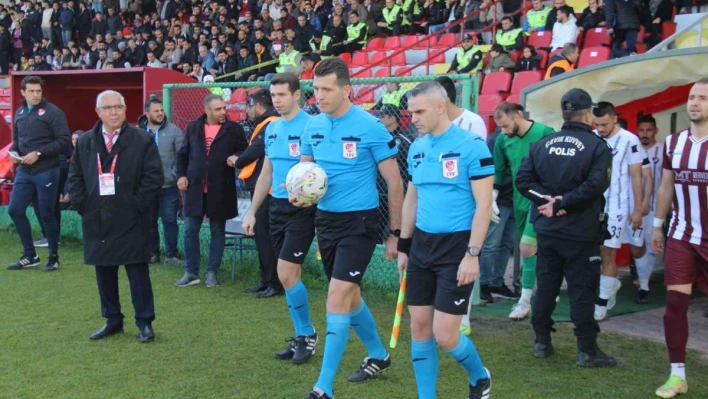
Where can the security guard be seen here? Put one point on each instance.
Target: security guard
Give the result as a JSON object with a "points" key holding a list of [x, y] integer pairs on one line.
{"points": [[468, 57], [565, 175], [260, 110], [357, 33], [440, 243], [289, 59], [563, 62], [509, 37], [395, 95], [536, 18], [392, 20], [321, 44], [292, 229], [351, 145]]}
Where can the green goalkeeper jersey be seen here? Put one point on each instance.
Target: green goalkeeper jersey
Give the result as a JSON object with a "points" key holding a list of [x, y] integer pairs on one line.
{"points": [[508, 154]]}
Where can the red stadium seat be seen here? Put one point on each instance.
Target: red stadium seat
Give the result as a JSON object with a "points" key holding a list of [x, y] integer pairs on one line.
{"points": [[489, 121], [593, 55], [525, 79], [515, 55], [544, 58], [496, 82], [436, 57], [363, 74], [392, 43], [432, 42], [597, 37], [410, 41], [383, 72], [239, 96], [403, 72], [554, 52], [399, 59], [379, 56], [254, 90], [540, 39], [347, 57], [485, 61], [360, 58], [447, 40], [667, 29], [375, 44], [514, 98], [365, 95]]}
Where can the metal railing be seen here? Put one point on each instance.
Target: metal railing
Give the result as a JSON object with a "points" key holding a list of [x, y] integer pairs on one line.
{"points": [[698, 23]]}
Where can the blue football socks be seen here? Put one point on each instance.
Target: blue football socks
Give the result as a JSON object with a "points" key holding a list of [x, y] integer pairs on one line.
{"points": [[425, 367], [299, 306], [466, 354], [335, 344], [365, 327]]}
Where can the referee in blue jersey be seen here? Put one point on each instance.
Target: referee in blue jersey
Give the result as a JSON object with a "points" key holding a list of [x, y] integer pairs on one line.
{"points": [[351, 145], [446, 214], [292, 229]]}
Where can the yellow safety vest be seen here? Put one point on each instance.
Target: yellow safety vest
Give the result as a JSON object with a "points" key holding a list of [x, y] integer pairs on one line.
{"points": [[537, 19], [287, 60], [407, 10], [391, 15], [323, 43], [248, 170], [394, 97], [353, 31], [508, 38], [465, 57]]}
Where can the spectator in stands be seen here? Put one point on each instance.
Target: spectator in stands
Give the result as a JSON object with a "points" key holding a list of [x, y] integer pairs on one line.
{"points": [[313, 18], [391, 21], [75, 61], [153, 62], [657, 12], [363, 13], [261, 56], [623, 21], [135, 54], [493, 13], [5, 50], [66, 23], [592, 17], [304, 32], [529, 59], [119, 60], [433, 13], [172, 54], [500, 60], [565, 30], [288, 60], [245, 60], [267, 20], [338, 32], [509, 37], [553, 14], [536, 18], [564, 61], [198, 72], [206, 58], [321, 44], [47, 21], [451, 12], [102, 60], [40, 64], [394, 96], [114, 21], [467, 58], [357, 33], [287, 20], [83, 22]]}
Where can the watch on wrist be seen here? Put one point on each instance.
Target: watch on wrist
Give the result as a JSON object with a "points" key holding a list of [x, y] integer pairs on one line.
{"points": [[396, 233], [473, 251], [39, 154]]}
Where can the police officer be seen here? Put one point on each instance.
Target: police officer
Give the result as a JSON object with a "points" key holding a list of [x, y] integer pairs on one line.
{"points": [[351, 145], [321, 44], [467, 58], [440, 244], [357, 33], [565, 175], [395, 95]]}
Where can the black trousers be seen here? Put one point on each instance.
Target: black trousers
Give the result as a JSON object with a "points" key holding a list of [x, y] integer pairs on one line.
{"points": [[267, 259], [63, 175], [140, 292], [580, 264]]}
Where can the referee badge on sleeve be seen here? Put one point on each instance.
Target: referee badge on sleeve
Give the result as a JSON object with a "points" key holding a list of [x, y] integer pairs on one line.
{"points": [[349, 149], [450, 168]]}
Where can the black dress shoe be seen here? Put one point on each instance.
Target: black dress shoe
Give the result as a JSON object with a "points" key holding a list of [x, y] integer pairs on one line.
{"points": [[106, 331], [596, 359], [269, 293], [256, 288], [146, 335], [541, 350]]}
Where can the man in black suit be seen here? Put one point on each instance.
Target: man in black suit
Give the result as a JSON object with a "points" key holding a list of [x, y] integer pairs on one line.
{"points": [[114, 176], [206, 176]]}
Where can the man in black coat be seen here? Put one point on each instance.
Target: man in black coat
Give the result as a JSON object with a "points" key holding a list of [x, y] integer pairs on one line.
{"points": [[206, 176], [115, 174]]}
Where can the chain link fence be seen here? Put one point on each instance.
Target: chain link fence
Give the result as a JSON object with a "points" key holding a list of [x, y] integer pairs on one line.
{"points": [[383, 97]]}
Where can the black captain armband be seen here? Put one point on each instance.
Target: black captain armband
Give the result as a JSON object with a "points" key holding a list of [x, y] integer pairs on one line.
{"points": [[392, 143], [489, 161], [404, 245]]}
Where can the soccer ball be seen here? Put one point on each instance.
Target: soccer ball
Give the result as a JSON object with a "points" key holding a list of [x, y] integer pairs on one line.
{"points": [[306, 182]]}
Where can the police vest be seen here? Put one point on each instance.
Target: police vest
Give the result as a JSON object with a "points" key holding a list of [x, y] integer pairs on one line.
{"points": [[562, 63], [508, 38], [465, 57], [394, 97], [406, 8], [248, 170], [391, 15], [323, 43], [537, 19], [287, 60], [353, 32]]}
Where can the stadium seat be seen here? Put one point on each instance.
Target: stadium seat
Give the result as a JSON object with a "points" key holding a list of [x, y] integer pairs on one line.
{"points": [[525, 79], [593, 55], [515, 55], [364, 95], [485, 60], [544, 58], [378, 56], [347, 57], [375, 44], [383, 72], [667, 29], [410, 41], [496, 83], [360, 58], [514, 98], [254, 90], [398, 59], [436, 57], [540, 39], [447, 40], [402, 71], [363, 74], [432, 42], [392, 43], [554, 52], [441, 69], [414, 57], [239, 96], [422, 70]]}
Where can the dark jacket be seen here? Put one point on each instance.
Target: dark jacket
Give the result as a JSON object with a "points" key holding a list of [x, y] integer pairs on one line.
{"points": [[255, 151], [621, 14], [199, 168], [575, 164], [66, 19], [42, 129], [83, 21], [528, 64], [99, 27], [169, 141], [242, 63], [116, 228], [114, 23], [588, 20]]}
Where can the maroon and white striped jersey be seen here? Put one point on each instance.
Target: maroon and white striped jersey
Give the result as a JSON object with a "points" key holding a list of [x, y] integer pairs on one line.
{"points": [[687, 157]]}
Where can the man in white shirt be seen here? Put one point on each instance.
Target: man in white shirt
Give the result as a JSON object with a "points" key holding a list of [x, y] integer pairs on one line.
{"points": [[627, 158], [463, 118], [564, 30], [154, 62]]}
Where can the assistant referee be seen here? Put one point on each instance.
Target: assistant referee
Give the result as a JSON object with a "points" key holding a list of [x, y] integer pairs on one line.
{"points": [[565, 175]]}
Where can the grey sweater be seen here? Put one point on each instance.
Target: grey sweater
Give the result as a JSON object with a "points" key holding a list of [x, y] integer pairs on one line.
{"points": [[169, 140]]}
